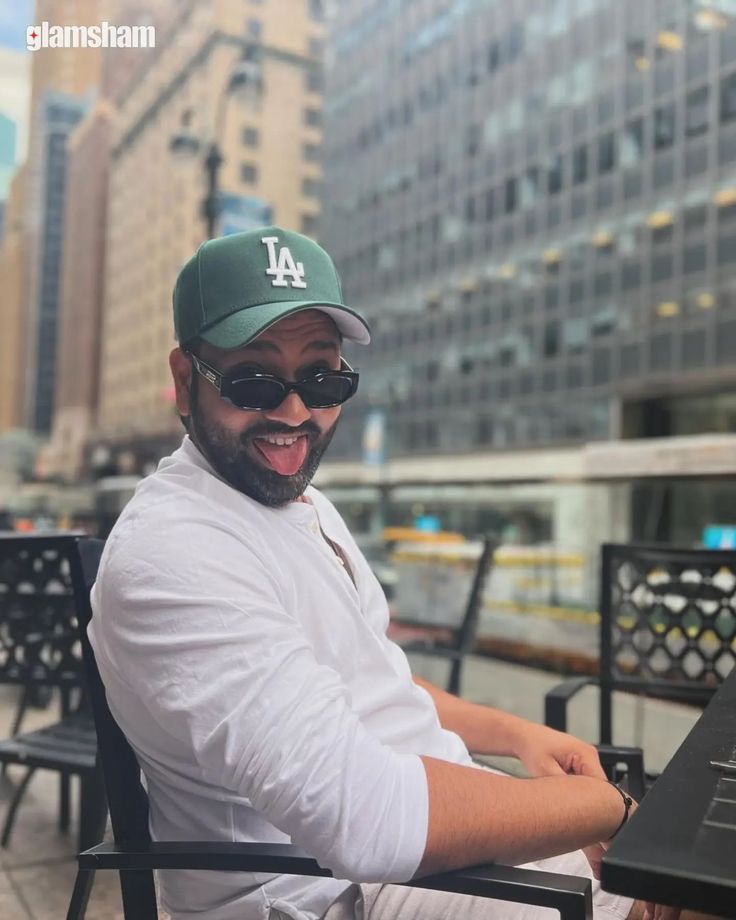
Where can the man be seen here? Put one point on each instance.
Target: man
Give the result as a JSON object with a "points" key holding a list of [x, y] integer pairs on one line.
{"points": [[242, 640]]}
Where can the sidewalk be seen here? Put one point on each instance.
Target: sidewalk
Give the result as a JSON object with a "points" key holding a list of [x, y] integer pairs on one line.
{"points": [[37, 871]]}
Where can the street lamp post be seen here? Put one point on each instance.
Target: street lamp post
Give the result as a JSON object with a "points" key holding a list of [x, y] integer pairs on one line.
{"points": [[246, 78], [211, 203]]}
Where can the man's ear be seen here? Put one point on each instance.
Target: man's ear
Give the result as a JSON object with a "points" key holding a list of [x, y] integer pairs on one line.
{"points": [[181, 370]]}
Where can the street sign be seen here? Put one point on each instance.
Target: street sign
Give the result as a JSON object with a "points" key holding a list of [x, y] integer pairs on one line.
{"points": [[374, 438], [719, 536]]}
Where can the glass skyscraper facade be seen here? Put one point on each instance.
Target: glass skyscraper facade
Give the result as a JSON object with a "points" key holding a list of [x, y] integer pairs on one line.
{"points": [[534, 203], [59, 114]]}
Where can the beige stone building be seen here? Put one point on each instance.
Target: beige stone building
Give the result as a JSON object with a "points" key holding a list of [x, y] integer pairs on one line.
{"points": [[12, 307], [67, 70], [80, 302], [85, 244], [271, 147], [62, 80]]}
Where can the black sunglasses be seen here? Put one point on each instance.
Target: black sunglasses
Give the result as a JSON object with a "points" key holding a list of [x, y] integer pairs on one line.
{"points": [[256, 390]]}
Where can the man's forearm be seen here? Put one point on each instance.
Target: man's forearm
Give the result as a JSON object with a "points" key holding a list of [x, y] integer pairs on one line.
{"points": [[483, 729], [476, 816]]}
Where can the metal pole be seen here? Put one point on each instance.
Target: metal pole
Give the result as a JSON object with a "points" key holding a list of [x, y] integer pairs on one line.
{"points": [[211, 203]]}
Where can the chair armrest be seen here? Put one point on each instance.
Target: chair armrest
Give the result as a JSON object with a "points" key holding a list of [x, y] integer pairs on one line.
{"points": [[556, 699], [571, 895], [613, 756]]}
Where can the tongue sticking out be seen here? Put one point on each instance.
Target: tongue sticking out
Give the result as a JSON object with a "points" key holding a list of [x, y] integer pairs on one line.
{"points": [[284, 459]]}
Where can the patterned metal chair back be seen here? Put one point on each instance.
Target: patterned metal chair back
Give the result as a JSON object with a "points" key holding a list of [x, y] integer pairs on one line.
{"points": [[668, 622], [38, 637]]}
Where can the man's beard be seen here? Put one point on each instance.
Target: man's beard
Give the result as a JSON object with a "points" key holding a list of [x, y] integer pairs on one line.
{"points": [[228, 454]]}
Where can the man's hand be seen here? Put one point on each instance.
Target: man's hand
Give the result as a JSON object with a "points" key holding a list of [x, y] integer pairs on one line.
{"points": [[661, 912], [546, 752]]}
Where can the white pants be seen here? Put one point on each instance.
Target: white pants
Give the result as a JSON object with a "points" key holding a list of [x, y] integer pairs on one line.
{"points": [[396, 902]]}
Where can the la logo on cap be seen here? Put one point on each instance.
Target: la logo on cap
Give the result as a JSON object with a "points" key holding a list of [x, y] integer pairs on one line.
{"points": [[283, 264]]}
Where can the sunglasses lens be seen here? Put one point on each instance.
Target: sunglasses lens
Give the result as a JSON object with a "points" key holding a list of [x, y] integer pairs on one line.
{"points": [[326, 390], [255, 393]]}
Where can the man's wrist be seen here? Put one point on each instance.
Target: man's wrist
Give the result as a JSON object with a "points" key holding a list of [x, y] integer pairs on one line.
{"points": [[516, 734], [628, 803]]}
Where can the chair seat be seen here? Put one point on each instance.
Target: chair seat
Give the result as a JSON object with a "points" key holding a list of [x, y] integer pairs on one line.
{"points": [[69, 745]]}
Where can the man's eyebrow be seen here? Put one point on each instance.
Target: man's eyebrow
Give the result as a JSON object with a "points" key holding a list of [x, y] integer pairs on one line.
{"points": [[323, 345], [317, 344]]}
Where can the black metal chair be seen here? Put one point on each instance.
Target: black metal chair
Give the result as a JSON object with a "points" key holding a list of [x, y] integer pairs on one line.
{"points": [[39, 648], [451, 643], [135, 856], [667, 628]]}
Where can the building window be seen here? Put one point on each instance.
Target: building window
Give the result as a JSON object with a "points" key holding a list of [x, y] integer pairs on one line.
{"points": [[511, 195], [251, 137], [316, 10], [248, 173], [551, 341], [311, 187], [632, 143], [606, 152], [313, 118], [490, 204], [472, 140], [555, 175], [696, 112], [309, 224], [311, 153], [254, 28], [580, 164], [664, 126], [728, 97], [314, 80]]}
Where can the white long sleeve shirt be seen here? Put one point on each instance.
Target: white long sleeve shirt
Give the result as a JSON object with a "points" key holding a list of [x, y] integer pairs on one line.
{"points": [[257, 686]]}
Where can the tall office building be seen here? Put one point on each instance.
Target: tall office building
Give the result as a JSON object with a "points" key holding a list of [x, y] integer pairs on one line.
{"points": [[271, 146], [80, 293], [12, 308], [64, 82], [535, 203], [84, 251], [54, 121]]}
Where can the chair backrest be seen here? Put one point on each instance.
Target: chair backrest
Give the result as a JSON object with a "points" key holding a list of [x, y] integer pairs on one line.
{"points": [[126, 796], [38, 634], [469, 626], [668, 623]]}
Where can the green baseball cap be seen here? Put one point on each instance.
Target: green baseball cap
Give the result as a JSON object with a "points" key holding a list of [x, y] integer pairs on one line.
{"points": [[235, 287]]}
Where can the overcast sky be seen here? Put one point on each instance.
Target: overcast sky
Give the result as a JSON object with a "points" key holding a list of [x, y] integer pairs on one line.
{"points": [[15, 15]]}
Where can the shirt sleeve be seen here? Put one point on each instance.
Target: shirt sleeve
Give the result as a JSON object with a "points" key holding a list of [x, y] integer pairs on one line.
{"points": [[207, 642]]}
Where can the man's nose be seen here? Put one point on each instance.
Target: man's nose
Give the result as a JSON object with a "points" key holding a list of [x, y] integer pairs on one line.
{"points": [[292, 411]]}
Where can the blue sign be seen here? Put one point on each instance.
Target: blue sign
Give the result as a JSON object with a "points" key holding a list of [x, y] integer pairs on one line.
{"points": [[374, 438], [239, 213], [429, 523], [719, 536]]}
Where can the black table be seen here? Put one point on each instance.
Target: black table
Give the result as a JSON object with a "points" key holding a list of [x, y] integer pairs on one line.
{"points": [[679, 847]]}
